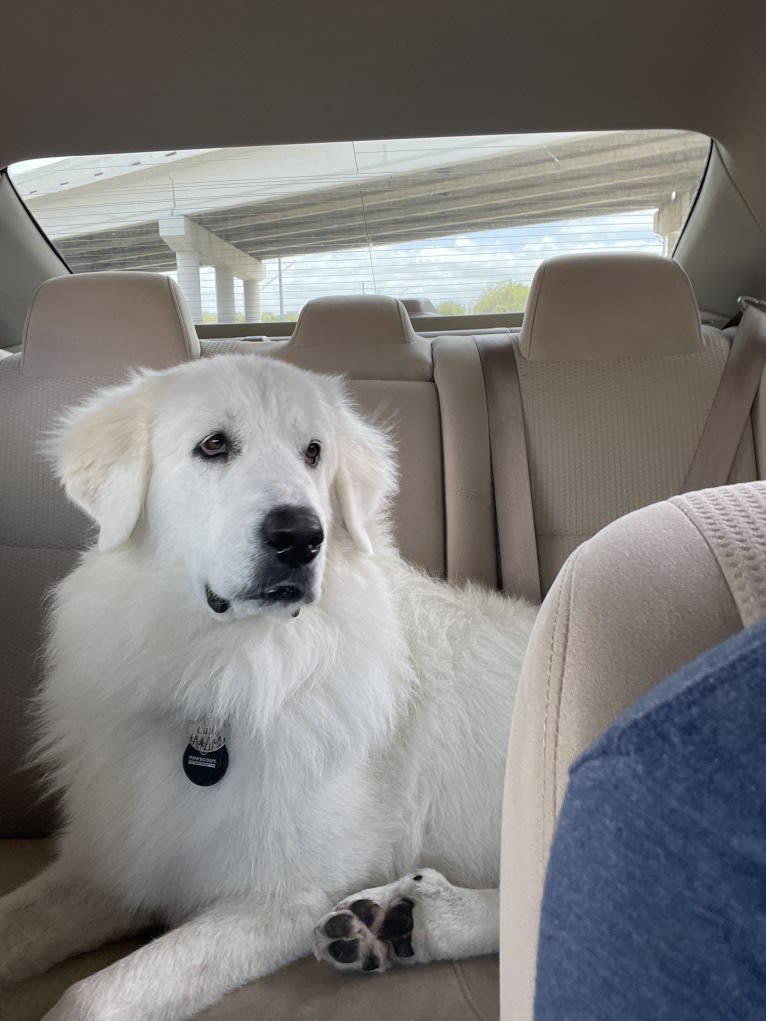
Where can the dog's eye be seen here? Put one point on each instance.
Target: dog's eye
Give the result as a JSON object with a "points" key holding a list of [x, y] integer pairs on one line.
{"points": [[214, 445], [312, 453]]}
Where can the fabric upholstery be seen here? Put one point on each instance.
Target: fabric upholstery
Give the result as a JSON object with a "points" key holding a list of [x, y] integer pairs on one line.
{"points": [[40, 534], [368, 319], [410, 411], [83, 332], [98, 324], [304, 991], [373, 361], [367, 337], [733, 521], [233, 346], [606, 305], [27, 574], [606, 437], [644, 596]]}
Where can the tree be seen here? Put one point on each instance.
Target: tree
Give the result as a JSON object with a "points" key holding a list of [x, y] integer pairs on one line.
{"points": [[450, 308], [275, 317], [507, 296]]}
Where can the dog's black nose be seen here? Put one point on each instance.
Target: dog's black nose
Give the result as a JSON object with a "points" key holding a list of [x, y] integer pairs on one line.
{"points": [[295, 533]]}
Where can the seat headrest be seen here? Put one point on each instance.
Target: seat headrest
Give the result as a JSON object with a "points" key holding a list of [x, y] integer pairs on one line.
{"points": [[359, 319], [419, 307], [367, 336], [101, 324], [599, 306]]}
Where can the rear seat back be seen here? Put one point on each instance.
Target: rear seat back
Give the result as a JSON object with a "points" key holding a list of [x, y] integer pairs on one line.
{"points": [[82, 332], [617, 378], [616, 375]]}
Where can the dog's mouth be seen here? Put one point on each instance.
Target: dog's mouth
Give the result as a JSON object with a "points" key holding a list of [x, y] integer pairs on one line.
{"points": [[216, 603], [278, 594]]}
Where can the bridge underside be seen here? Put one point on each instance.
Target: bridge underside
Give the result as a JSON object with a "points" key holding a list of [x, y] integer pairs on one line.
{"points": [[591, 176]]}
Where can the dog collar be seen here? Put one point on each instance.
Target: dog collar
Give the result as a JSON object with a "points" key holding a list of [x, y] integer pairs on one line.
{"points": [[206, 757]]}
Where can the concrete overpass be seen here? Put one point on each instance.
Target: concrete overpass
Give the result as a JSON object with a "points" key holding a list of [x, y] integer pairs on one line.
{"points": [[232, 209]]}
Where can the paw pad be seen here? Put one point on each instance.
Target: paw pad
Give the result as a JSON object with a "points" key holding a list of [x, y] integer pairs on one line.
{"points": [[363, 936], [344, 950]]}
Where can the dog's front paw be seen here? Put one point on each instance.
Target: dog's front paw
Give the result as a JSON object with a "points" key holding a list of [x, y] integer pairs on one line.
{"points": [[365, 936], [375, 929]]}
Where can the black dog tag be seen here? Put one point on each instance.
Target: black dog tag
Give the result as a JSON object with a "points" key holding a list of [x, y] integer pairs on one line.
{"points": [[206, 757]]}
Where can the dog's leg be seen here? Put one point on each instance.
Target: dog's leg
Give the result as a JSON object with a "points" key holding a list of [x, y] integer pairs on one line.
{"points": [[191, 967], [52, 917], [421, 917]]}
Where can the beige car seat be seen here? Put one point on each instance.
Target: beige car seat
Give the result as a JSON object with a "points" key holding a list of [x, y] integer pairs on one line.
{"points": [[617, 378], [82, 332], [647, 594]]}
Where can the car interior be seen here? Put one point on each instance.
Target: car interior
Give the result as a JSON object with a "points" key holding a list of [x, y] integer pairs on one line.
{"points": [[599, 447]]}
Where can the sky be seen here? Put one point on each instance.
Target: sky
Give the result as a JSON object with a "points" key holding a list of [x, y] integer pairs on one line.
{"points": [[443, 269]]}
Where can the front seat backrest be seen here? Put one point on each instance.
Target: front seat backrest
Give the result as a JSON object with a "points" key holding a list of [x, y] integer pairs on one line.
{"points": [[647, 594]]}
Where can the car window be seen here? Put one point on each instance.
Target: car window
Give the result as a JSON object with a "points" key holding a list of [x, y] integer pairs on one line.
{"points": [[455, 225]]}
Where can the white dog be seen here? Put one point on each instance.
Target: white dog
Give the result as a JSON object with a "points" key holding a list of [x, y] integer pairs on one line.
{"points": [[254, 706]]}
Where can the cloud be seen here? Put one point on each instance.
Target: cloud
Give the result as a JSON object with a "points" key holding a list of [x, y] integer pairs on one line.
{"points": [[459, 268]]}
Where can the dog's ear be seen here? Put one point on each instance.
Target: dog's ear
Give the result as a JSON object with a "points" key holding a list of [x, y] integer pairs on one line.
{"points": [[101, 451], [366, 476]]}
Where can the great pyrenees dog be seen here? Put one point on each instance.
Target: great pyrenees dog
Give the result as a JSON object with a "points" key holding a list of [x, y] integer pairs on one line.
{"points": [[254, 707]]}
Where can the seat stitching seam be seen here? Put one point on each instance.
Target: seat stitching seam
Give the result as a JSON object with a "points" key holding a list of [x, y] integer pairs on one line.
{"points": [[554, 629], [467, 995], [570, 581]]}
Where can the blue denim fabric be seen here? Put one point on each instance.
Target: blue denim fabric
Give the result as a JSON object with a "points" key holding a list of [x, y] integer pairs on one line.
{"points": [[655, 899]]}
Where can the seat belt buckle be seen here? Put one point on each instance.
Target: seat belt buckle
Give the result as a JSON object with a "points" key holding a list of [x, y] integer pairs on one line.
{"points": [[744, 300]]}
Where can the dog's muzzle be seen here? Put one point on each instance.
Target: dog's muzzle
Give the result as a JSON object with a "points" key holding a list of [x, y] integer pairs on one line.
{"points": [[293, 537]]}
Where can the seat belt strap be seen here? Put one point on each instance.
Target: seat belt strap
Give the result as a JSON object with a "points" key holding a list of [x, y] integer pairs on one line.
{"points": [[514, 514], [469, 513], [720, 438]]}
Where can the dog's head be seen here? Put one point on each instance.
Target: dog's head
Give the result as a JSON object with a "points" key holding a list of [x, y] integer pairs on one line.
{"points": [[238, 470]]}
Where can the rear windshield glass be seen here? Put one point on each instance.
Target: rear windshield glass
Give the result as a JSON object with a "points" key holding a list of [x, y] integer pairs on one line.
{"points": [[453, 225]]}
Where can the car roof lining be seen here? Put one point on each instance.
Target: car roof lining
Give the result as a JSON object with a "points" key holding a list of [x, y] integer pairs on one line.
{"points": [[180, 79]]}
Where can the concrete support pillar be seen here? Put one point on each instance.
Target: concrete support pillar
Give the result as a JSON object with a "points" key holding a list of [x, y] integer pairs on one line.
{"points": [[187, 265], [252, 289], [194, 247], [224, 295], [670, 218]]}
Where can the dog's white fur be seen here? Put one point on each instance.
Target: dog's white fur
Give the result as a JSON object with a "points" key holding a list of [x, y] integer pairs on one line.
{"points": [[368, 733]]}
